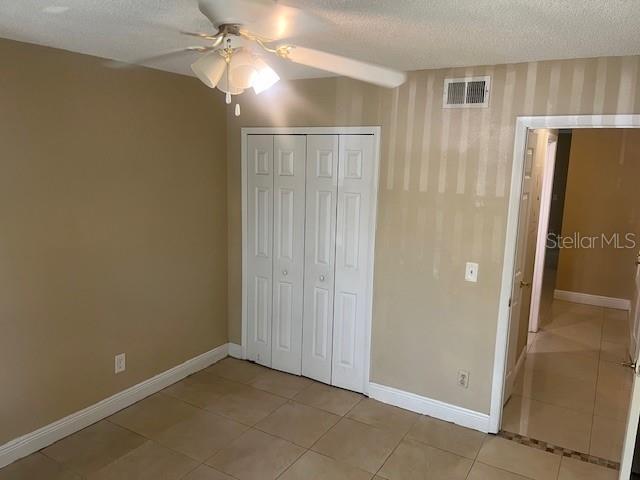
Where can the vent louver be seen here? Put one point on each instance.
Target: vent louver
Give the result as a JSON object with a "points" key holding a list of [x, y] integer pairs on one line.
{"points": [[466, 92]]}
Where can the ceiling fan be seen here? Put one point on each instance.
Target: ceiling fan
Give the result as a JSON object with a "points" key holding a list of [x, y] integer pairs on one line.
{"points": [[250, 30]]}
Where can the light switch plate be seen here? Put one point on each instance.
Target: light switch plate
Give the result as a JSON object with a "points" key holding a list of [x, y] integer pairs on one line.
{"points": [[471, 272], [121, 363]]}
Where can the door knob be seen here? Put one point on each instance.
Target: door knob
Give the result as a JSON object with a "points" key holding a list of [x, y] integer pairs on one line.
{"points": [[285, 273], [322, 278], [524, 284]]}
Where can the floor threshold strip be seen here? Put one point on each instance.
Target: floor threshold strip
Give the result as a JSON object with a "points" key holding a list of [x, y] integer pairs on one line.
{"points": [[565, 452]]}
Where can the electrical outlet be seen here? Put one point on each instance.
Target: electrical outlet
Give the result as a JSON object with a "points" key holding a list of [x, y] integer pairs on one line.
{"points": [[471, 272], [463, 378], [121, 362]]}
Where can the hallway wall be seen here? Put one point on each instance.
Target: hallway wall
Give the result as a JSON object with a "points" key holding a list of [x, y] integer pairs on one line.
{"points": [[602, 196]]}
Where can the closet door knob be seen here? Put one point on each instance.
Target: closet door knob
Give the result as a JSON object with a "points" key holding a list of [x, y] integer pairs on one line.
{"points": [[285, 273], [322, 278]]}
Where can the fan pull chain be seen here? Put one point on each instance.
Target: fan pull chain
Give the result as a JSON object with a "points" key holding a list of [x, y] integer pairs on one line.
{"points": [[227, 97], [237, 110]]}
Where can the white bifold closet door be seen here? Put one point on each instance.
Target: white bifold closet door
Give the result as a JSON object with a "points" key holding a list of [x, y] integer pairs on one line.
{"points": [[340, 183], [354, 239], [320, 249], [288, 259], [275, 209], [310, 219], [259, 247]]}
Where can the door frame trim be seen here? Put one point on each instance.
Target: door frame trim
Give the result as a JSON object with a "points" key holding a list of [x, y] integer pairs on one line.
{"points": [[523, 124], [375, 131]]}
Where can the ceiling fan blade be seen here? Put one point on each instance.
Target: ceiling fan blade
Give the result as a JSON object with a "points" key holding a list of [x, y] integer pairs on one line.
{"points": [[206, 36], [157, 58], [348, 67], [264, 18], [221, 12]]}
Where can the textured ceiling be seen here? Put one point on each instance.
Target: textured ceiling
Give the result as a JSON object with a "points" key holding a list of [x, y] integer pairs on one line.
{"points": [[408, 35]]}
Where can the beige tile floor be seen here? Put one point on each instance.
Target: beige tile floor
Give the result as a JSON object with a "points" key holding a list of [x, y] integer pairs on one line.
{"points": [[572, 390], [237, 420]]}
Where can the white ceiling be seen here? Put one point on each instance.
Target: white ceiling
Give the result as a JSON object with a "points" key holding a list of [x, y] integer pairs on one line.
{"points": [[408, 35]]}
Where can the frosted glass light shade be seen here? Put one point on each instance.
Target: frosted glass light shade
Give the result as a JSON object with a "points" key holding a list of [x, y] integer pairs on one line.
{"points": [[233, 89], [209, 69], [242, 69]]}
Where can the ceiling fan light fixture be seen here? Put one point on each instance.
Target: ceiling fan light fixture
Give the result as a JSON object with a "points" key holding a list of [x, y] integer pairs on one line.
{"points": [[209, 69], [265, 76], [242, 69], [230, 88]]}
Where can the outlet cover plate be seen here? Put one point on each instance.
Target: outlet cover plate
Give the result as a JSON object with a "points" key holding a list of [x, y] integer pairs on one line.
{"points": [[463, 378], [471, 272]]}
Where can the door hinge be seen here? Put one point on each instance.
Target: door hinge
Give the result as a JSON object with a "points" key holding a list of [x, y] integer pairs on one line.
{"points": [[509, 301], [629, 364]]}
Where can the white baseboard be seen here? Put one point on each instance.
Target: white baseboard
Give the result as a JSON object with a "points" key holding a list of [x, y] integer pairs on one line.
{"points": [[427, 406], [45, 436], [597, 300], [235, 350]]}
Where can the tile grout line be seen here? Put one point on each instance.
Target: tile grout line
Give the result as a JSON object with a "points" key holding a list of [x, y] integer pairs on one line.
{"points": [[544, 402], [292, 399], [62, 466], [304, 452], [475, 460], [310, 449], [395, 448], [148, 439], [342, 417]]}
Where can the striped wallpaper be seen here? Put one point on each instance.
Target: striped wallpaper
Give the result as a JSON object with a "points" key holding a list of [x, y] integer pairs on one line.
{"points": [[444, 185]]}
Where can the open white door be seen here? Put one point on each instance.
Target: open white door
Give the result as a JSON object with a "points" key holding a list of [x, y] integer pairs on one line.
{"points": [[633, 416], [543, 230], [520, 285]]}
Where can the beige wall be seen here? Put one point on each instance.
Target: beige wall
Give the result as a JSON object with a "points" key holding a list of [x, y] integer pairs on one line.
{"points": [[442, 201], [602, 197], [113, 214]]}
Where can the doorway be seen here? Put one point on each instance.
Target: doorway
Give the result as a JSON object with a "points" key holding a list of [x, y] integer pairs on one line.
{"points": [[579, 342]]}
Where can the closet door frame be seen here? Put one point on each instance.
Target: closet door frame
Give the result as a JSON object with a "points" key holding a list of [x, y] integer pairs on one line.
{"points": [[240, 351]]}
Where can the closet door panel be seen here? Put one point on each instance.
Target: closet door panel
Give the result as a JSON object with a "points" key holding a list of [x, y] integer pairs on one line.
{"points": [[320, 234], [259, 247], [353, 241], [288, 261]]}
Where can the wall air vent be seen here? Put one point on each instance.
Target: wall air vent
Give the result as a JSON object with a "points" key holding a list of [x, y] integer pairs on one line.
{"points": [[466, 92]]}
